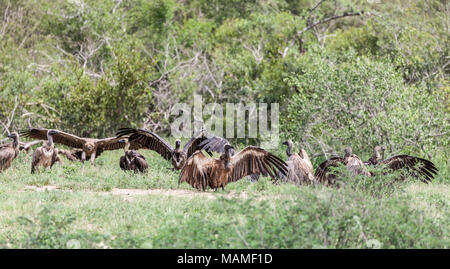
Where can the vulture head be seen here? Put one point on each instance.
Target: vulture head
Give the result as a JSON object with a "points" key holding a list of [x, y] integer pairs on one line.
{"points": [[229, 151], [289, 145], [89, 147], [14, 136], [52, 132], [125, 142], [348, 152]]}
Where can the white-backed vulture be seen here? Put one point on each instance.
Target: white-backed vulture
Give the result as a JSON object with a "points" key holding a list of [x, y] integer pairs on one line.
{"points": [[8, 152], [91, 147], [352, 162], [202, 172], [417, 167], [152, 141], [45, 155], [132, 160], [300, 168]]}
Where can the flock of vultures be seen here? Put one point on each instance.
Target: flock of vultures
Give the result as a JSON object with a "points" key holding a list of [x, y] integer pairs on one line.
{"points": [[199, 170]]}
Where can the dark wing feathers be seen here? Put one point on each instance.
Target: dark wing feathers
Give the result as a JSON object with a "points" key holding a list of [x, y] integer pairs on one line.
{"points": [[253, 160], [197, 171], [194, 144], [148, 140], [323, 169], [61, 138], [423, 167], [214, 144]]}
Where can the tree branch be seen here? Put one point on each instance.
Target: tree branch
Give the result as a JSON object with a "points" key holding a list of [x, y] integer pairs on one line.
{"points": [[310, 26]]}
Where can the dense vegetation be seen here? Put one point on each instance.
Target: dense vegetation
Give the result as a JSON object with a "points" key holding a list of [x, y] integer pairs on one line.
{"points": [[345, 73]]}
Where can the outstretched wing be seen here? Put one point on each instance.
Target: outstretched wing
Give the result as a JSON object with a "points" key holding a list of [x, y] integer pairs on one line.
{"points": [[148, 140], [416, 166], [253, 160], [196, 172], [61, 138], [26, 146], [324, 168], [194, 144], [215, 144]]}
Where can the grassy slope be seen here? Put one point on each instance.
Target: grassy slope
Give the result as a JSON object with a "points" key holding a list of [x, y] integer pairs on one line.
{"points": [[256, 215]]}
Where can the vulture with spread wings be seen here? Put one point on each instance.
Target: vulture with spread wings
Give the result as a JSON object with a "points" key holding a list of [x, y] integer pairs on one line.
{"points": [[417, 167], [152, 141], [90, 147], [217, 144], [352, 162], [202, 172]]}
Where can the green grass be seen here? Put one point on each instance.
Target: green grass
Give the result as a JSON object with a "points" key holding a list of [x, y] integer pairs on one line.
{"points": [[83, 211]]}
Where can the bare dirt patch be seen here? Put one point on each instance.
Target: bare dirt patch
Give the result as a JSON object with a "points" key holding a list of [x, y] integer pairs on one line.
{"points": [[130, 194]]}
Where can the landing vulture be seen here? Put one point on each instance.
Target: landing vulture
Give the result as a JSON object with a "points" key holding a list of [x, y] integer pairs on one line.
{"points": [[300, 168], [416, 167], [202, 172], [91, 147], [152, 141], [132, 160], [350, 160], [8, 152]]}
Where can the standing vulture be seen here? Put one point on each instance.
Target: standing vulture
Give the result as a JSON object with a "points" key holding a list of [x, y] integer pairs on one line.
{"points": [[132, 160], [9, 152], [300, 168], [416, 167], [91, 147], [152, 141], [350, 160], [45, 155], [201, 172]]}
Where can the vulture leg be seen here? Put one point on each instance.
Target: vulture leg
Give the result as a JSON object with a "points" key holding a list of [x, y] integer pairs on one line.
{"points": [[92, 158]]}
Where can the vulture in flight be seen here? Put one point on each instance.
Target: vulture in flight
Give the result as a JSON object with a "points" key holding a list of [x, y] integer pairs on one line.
{"points": [[90, 147], [132, 160], [149, 140], [8, 152], [202, 172], [300, 168], [416, 167], [352, 162]]}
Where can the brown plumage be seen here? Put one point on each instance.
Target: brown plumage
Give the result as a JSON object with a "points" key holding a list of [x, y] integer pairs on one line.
{"points": [[45, 155], [152, 141], [300, 169], [132, 160], [26, 146], [90, 147], [202, 172], [217, 144], [350, 160], [8, 152], [417, 167]]}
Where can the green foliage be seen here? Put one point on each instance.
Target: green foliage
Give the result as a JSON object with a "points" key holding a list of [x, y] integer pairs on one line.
{"points": [[360, 102], [84, 106]]}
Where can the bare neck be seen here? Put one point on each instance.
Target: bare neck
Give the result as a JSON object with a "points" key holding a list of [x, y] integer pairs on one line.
{"points": [[50, 140]]}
